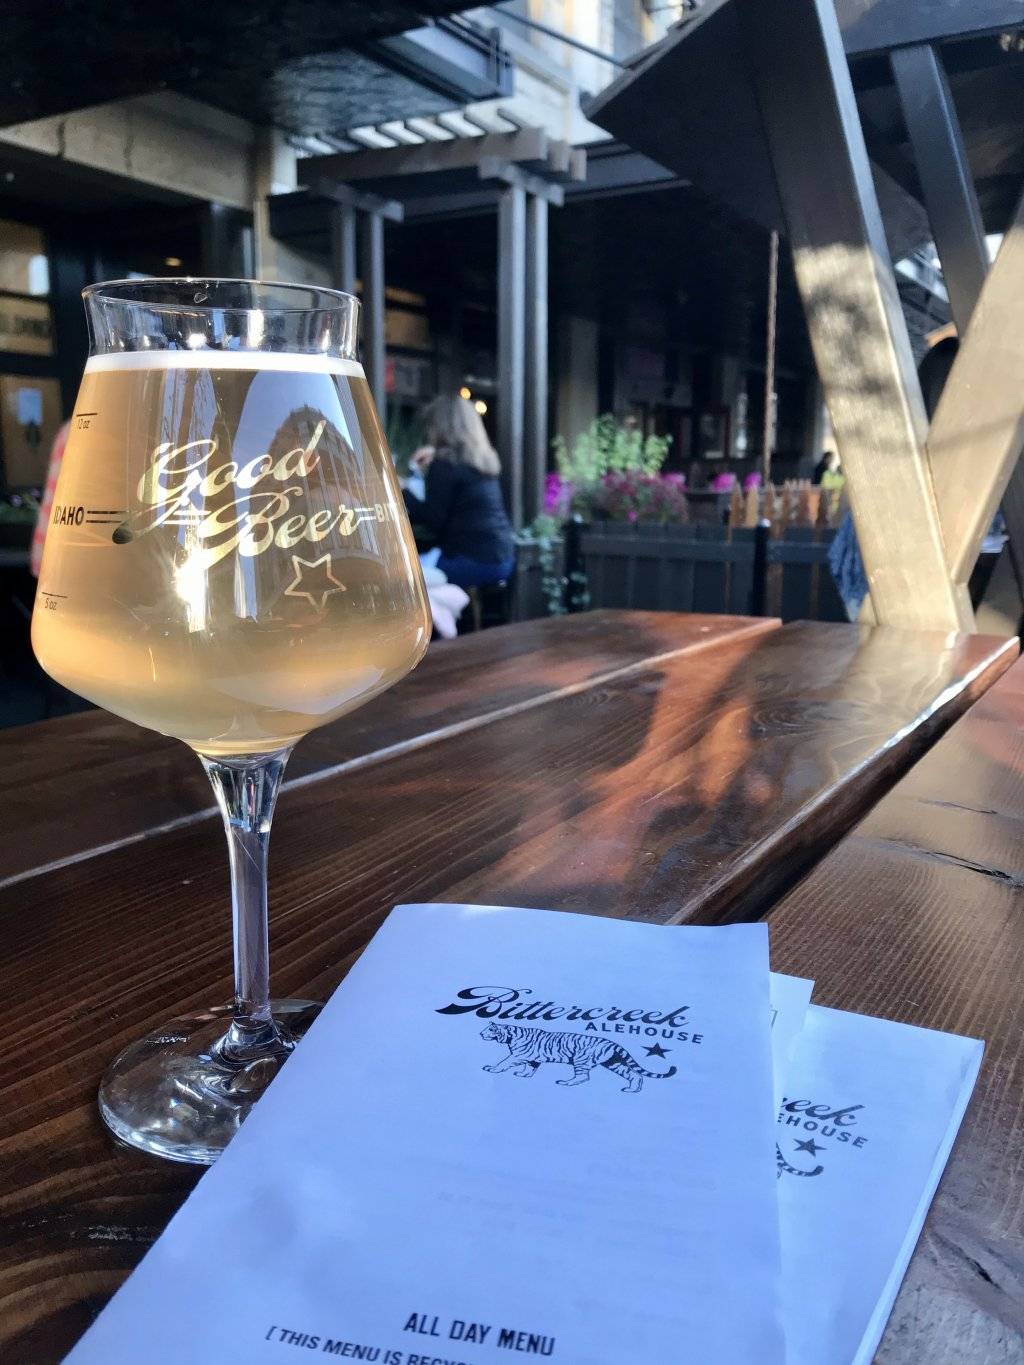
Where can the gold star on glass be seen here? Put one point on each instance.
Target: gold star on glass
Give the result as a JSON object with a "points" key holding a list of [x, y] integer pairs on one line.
{"points": [[313, 580]]}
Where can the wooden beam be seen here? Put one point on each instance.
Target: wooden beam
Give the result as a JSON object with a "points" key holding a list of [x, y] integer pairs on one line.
{"points": [[959, 233], [530, 144], [339, 193], [878, 25], [493, 169], [978, 428], [941, 162], [856, 325]]}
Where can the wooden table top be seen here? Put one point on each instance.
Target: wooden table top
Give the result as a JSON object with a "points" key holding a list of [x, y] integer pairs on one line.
{"points": [[687, 785], [92, 781], [916, 916]]}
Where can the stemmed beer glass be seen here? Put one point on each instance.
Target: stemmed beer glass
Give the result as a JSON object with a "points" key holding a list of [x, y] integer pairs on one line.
{"points": [[228, 561]]}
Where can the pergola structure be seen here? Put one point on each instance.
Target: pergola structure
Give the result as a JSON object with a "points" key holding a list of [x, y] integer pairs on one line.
{"points": [[515, 174], [753, 100]]}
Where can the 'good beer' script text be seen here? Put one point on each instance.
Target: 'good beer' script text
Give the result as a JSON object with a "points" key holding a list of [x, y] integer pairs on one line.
{"points": [[180, 479]]}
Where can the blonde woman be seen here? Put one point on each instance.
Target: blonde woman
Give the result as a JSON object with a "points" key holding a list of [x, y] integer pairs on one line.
{"points": [[463, 508]]}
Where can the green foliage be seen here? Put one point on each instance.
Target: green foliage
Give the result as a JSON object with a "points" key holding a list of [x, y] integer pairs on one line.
{"points": [[542, 528], [608, 447], [546, 533], [562, 591], [21, 509]]}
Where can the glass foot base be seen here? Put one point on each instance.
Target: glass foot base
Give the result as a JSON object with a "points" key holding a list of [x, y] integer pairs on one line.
{"points": [[174, 1095]]}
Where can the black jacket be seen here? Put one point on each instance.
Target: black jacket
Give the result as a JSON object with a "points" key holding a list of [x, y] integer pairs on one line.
{"points": [[464, 510]]}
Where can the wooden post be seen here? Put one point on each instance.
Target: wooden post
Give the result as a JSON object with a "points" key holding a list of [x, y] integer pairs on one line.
{"points": [[373, 306], [343, 247], [769, 358], [511, 339], [536, 374], [856, 326]]}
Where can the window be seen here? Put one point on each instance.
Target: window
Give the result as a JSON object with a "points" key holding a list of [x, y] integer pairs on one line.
{"points": [[24, 265]]}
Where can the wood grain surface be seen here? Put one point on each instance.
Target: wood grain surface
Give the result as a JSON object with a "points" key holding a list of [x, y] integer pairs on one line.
{"points": [[91, 780], [683, 790], [917, 916]]}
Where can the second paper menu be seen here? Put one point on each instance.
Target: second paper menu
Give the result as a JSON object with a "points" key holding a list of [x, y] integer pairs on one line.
{"points": [[511, 1135]]}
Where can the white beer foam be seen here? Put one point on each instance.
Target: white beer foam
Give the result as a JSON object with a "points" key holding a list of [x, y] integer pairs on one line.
{"points": [[205, 359]]}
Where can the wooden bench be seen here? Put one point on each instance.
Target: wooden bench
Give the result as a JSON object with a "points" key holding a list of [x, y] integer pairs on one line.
{"points": [[918, 915]]}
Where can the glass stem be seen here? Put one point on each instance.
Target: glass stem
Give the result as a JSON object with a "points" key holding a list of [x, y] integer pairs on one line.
{"points": [[246, 791]]}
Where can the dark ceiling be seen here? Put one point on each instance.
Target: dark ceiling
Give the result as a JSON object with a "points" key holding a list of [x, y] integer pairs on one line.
{"points": [[659, 268], [56, 57]]}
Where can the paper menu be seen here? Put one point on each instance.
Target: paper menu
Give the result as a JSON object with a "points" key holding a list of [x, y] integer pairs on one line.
{"points": [[417, 1184], [790, 997], [870, 1114]]}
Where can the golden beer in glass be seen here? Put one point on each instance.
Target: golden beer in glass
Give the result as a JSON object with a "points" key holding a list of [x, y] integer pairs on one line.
{"points": [[228, 561]]}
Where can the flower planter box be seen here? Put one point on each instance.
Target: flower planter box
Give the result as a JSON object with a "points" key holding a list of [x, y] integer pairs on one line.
{"points": [[531, 596], [711, 568]]}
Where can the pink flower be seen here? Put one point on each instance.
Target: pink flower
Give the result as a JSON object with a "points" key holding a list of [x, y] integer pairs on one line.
{"points": [[557, 494], [632, 514]]}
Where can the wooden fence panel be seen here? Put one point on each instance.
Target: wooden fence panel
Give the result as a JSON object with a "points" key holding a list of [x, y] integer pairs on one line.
{"points": [[710, 568], [797, 569], [711, 573], [741, 572]]}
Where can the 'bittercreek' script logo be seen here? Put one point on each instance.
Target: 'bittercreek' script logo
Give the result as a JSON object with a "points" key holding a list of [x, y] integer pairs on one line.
{"points": [[810, 1129], [182, 480], [510, 1003]]}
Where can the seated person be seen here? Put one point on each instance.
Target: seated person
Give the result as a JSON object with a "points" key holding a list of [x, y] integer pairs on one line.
{"points": [[463, 508]]}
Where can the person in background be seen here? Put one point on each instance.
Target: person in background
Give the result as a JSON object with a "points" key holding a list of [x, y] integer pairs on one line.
{"points": [[463, 508], [823, 464], [832, 477]]}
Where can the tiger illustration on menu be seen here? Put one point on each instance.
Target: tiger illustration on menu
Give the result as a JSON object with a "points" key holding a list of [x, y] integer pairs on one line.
{"points": [[528, 1048]]}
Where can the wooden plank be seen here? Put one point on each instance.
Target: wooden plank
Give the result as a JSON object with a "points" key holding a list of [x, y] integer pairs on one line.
{"points": [[529, 144], [916, 916], [856, 325], [876, 25], [710, 571], [122, 781], [667, 794], [797, 552], [978, 428], [682, 581], [741, 570]]}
